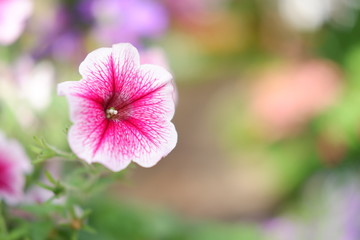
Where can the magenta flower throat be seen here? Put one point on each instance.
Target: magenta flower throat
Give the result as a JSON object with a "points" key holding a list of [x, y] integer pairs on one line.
{"points": [[121, 110]]}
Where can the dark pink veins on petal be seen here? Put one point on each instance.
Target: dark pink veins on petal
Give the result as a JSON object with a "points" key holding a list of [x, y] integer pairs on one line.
{"points": [[119, 90]]}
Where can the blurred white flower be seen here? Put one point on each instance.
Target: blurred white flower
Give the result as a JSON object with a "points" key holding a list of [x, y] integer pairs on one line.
{"points": [[35, 82], [310, 15], [13, 14], [26, 87]]}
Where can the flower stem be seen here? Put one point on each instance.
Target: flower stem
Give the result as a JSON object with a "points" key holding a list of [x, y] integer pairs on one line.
{"points": [[3, 230], [74, 236]]}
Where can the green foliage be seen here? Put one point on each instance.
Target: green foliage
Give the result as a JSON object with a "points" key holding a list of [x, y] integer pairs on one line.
{"points": [[116, 220]]}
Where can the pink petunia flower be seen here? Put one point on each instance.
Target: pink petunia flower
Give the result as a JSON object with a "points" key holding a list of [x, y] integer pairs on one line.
{"points": [[121, 110], [14, 164], [13, 14]]}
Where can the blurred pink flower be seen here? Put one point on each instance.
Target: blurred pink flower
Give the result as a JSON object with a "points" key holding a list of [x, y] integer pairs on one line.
{"points": [[287, 97], [194, 10], [13, 14], [157, 56], [121, 110], [14, 164]]}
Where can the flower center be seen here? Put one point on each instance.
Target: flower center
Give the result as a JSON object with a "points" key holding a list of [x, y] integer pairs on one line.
{"points": [[111, 113]]}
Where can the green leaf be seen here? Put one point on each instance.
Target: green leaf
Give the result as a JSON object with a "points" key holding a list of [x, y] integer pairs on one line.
{"points": [[50, 177]]}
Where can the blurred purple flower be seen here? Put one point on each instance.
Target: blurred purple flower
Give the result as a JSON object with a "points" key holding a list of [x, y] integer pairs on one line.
{"points": [[13, 14], [62, 32], [338, 207], [14, 164], [70, 42], [331, 211], [128, 21], [283, 229]]}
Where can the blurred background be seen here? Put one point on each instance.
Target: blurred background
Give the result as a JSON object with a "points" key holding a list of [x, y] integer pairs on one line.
{"points": [[268, 111]]}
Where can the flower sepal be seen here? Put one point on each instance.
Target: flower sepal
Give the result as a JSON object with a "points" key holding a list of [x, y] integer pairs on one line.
{"points": [[45, 151]]}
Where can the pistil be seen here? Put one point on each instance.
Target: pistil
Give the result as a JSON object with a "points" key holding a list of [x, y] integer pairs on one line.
{"points": [[111, 113]]}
